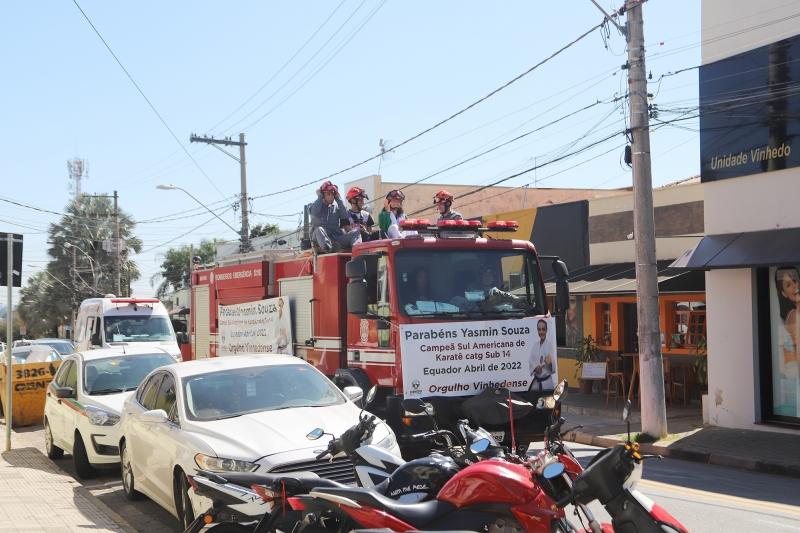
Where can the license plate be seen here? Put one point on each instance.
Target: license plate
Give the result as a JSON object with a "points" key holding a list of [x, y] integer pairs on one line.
{"points": [[498, 435]]}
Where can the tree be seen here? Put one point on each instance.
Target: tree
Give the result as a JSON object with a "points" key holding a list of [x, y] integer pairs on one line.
{"points": [[81, 267], [262, 230], [175, 271]]}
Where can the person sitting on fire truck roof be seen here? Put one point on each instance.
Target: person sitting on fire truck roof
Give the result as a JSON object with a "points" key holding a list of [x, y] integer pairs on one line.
{"points": [[392, 216], [443, 200], [360, 218], [327, 215]]}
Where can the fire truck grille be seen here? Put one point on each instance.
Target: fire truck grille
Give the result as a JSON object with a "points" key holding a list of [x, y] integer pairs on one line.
{"points": [[340, 470]]}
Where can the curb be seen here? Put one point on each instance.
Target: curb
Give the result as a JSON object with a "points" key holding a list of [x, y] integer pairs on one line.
{"points": [[97, 502], [740, 463]]}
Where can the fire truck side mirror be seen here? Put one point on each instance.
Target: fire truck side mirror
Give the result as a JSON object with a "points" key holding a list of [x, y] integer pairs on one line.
{"points": [[562, 286], [357, 297], [356, 268]]}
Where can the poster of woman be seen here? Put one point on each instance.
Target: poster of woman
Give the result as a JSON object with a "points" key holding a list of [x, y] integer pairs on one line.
{"points": [[785, 318]]}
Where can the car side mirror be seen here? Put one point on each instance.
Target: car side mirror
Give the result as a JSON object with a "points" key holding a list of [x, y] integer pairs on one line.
{"points": [[95, 341], [64, 392], [354, 393], [155, 416]]}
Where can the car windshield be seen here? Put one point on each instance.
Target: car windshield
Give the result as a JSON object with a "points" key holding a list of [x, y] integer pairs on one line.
{"points": [[230, 393], [120, 374], [62, 347], [138, 329], [469, 283]]}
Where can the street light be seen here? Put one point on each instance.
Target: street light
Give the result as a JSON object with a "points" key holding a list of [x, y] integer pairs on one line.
{"points": [[171, 187]]}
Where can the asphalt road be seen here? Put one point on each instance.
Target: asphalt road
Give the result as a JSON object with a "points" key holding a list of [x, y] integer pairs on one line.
{"points": [[703, 497]]}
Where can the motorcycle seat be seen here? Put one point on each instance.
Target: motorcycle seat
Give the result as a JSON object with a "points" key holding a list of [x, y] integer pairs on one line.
{"points": [[294, 483], [414, 514]]}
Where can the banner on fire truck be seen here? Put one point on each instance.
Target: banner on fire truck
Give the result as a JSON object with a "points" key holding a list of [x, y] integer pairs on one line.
{"points": [[264, 326], [463, 358]]}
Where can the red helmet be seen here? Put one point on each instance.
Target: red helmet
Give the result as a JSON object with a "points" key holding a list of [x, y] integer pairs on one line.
{"points": [[356, 192], [396, 194], [327, 186], [442, 196]]}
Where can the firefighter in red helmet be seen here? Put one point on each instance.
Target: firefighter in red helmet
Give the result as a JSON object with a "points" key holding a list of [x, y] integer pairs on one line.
{"points": [[443, 200], [392, 215], [360, 218], [328, 215]]}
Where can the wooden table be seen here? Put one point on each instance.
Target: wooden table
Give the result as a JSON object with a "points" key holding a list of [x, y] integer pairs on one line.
{"points": [[635, 373]]}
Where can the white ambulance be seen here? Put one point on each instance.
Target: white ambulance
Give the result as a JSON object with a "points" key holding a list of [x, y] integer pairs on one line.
{"points": [[111, 321]]}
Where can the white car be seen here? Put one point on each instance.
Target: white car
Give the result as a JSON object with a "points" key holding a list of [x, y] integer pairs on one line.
{"points": [[83, 403], [244, 413]]}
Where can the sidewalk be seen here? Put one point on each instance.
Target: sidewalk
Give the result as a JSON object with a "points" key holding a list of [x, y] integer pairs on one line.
{"points": [[35, 495], [760, 451]]}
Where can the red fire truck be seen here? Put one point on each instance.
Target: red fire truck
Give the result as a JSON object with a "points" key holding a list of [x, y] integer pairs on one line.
{"points": [[348, 309]]}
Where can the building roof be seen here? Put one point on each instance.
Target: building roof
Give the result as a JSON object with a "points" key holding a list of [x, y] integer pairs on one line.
{"points": [[619, 278]]}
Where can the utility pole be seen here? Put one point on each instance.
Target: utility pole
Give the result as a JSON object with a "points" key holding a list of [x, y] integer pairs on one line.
{"points": [[244, 240], [117, 248], [654, 410], [74, 291]]}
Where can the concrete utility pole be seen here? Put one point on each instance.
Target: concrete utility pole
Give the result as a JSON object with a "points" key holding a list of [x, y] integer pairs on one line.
{"points": [[117, 249], [654, 410], [244, 245], [9, 411]]}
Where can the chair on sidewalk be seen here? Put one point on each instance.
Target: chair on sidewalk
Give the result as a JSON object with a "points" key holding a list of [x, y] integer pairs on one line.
{"points": [[615, 378], [679, 381]]}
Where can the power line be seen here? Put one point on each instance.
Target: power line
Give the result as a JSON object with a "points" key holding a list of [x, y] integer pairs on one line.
{"points": [[149, 103], [297, 72], [319, 69], [146, 250], [446, 120], [282, 68]]}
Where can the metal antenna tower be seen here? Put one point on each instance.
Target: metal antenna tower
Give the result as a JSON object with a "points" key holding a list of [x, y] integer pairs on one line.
{"points": [[78, 169]]}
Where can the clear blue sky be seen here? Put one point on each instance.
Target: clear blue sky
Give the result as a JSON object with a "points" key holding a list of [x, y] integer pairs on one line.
{"points": [[412, 64]]}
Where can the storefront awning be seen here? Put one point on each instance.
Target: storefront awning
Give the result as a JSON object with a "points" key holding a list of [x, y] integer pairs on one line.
{"points": [[621, 278], [741, 250]]}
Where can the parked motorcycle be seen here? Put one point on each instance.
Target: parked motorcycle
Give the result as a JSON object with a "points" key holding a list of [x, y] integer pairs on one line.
{"points": [[242, 499], [499, 495], [611, 478]]}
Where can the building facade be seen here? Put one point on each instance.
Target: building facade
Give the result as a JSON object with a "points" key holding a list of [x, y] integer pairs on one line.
{"points": [[750, 168]]}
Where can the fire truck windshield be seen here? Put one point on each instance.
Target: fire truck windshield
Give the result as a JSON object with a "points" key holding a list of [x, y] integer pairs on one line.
{"points": [[460, 283]]}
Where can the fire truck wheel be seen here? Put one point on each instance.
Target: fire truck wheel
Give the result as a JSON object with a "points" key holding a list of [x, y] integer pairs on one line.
{"points": [[348, 377]]}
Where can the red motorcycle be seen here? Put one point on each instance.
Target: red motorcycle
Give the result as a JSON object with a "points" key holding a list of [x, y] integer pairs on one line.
{"points": [[505, 495], [499, 495]]}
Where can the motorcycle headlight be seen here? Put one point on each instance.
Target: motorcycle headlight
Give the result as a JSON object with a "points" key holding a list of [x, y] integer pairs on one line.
{"points": [[99, 417], [221, 464]]}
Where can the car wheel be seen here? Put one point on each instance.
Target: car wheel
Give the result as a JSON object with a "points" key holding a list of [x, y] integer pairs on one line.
{"points": [[128, 483], [183, 505], [53, 451], [83, 467]]}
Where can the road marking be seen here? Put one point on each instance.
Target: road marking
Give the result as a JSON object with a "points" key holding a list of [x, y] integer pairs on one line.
{"points": [[715, 496]]}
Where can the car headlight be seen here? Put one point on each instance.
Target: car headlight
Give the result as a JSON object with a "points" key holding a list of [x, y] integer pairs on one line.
{"points": [[389, 441], [220, 464], [99, 417]]}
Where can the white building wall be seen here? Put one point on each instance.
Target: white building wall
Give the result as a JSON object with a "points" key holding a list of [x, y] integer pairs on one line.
{"points": [[730, 27], [732, 348], [752, 203]]}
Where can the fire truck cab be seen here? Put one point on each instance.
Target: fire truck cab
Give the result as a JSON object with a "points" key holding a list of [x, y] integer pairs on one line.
{"points": [[348, 309]]}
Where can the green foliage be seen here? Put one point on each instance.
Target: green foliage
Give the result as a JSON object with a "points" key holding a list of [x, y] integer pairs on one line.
{"points": [[262, 230], [586, 350], [700, 364], [644, 438], [79, 267], [175, 271]]}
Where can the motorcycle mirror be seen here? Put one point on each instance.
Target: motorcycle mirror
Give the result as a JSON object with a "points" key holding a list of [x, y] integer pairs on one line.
{"points": [[415, 406], [626, 411], [480, 446], [315, 434], [560, 390], [371, 395], [546, 402], [553, 470]]}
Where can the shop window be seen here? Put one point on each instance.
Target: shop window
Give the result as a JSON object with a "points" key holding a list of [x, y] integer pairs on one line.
{"points": [[688, 324], [783, 316], [604, 332]]}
